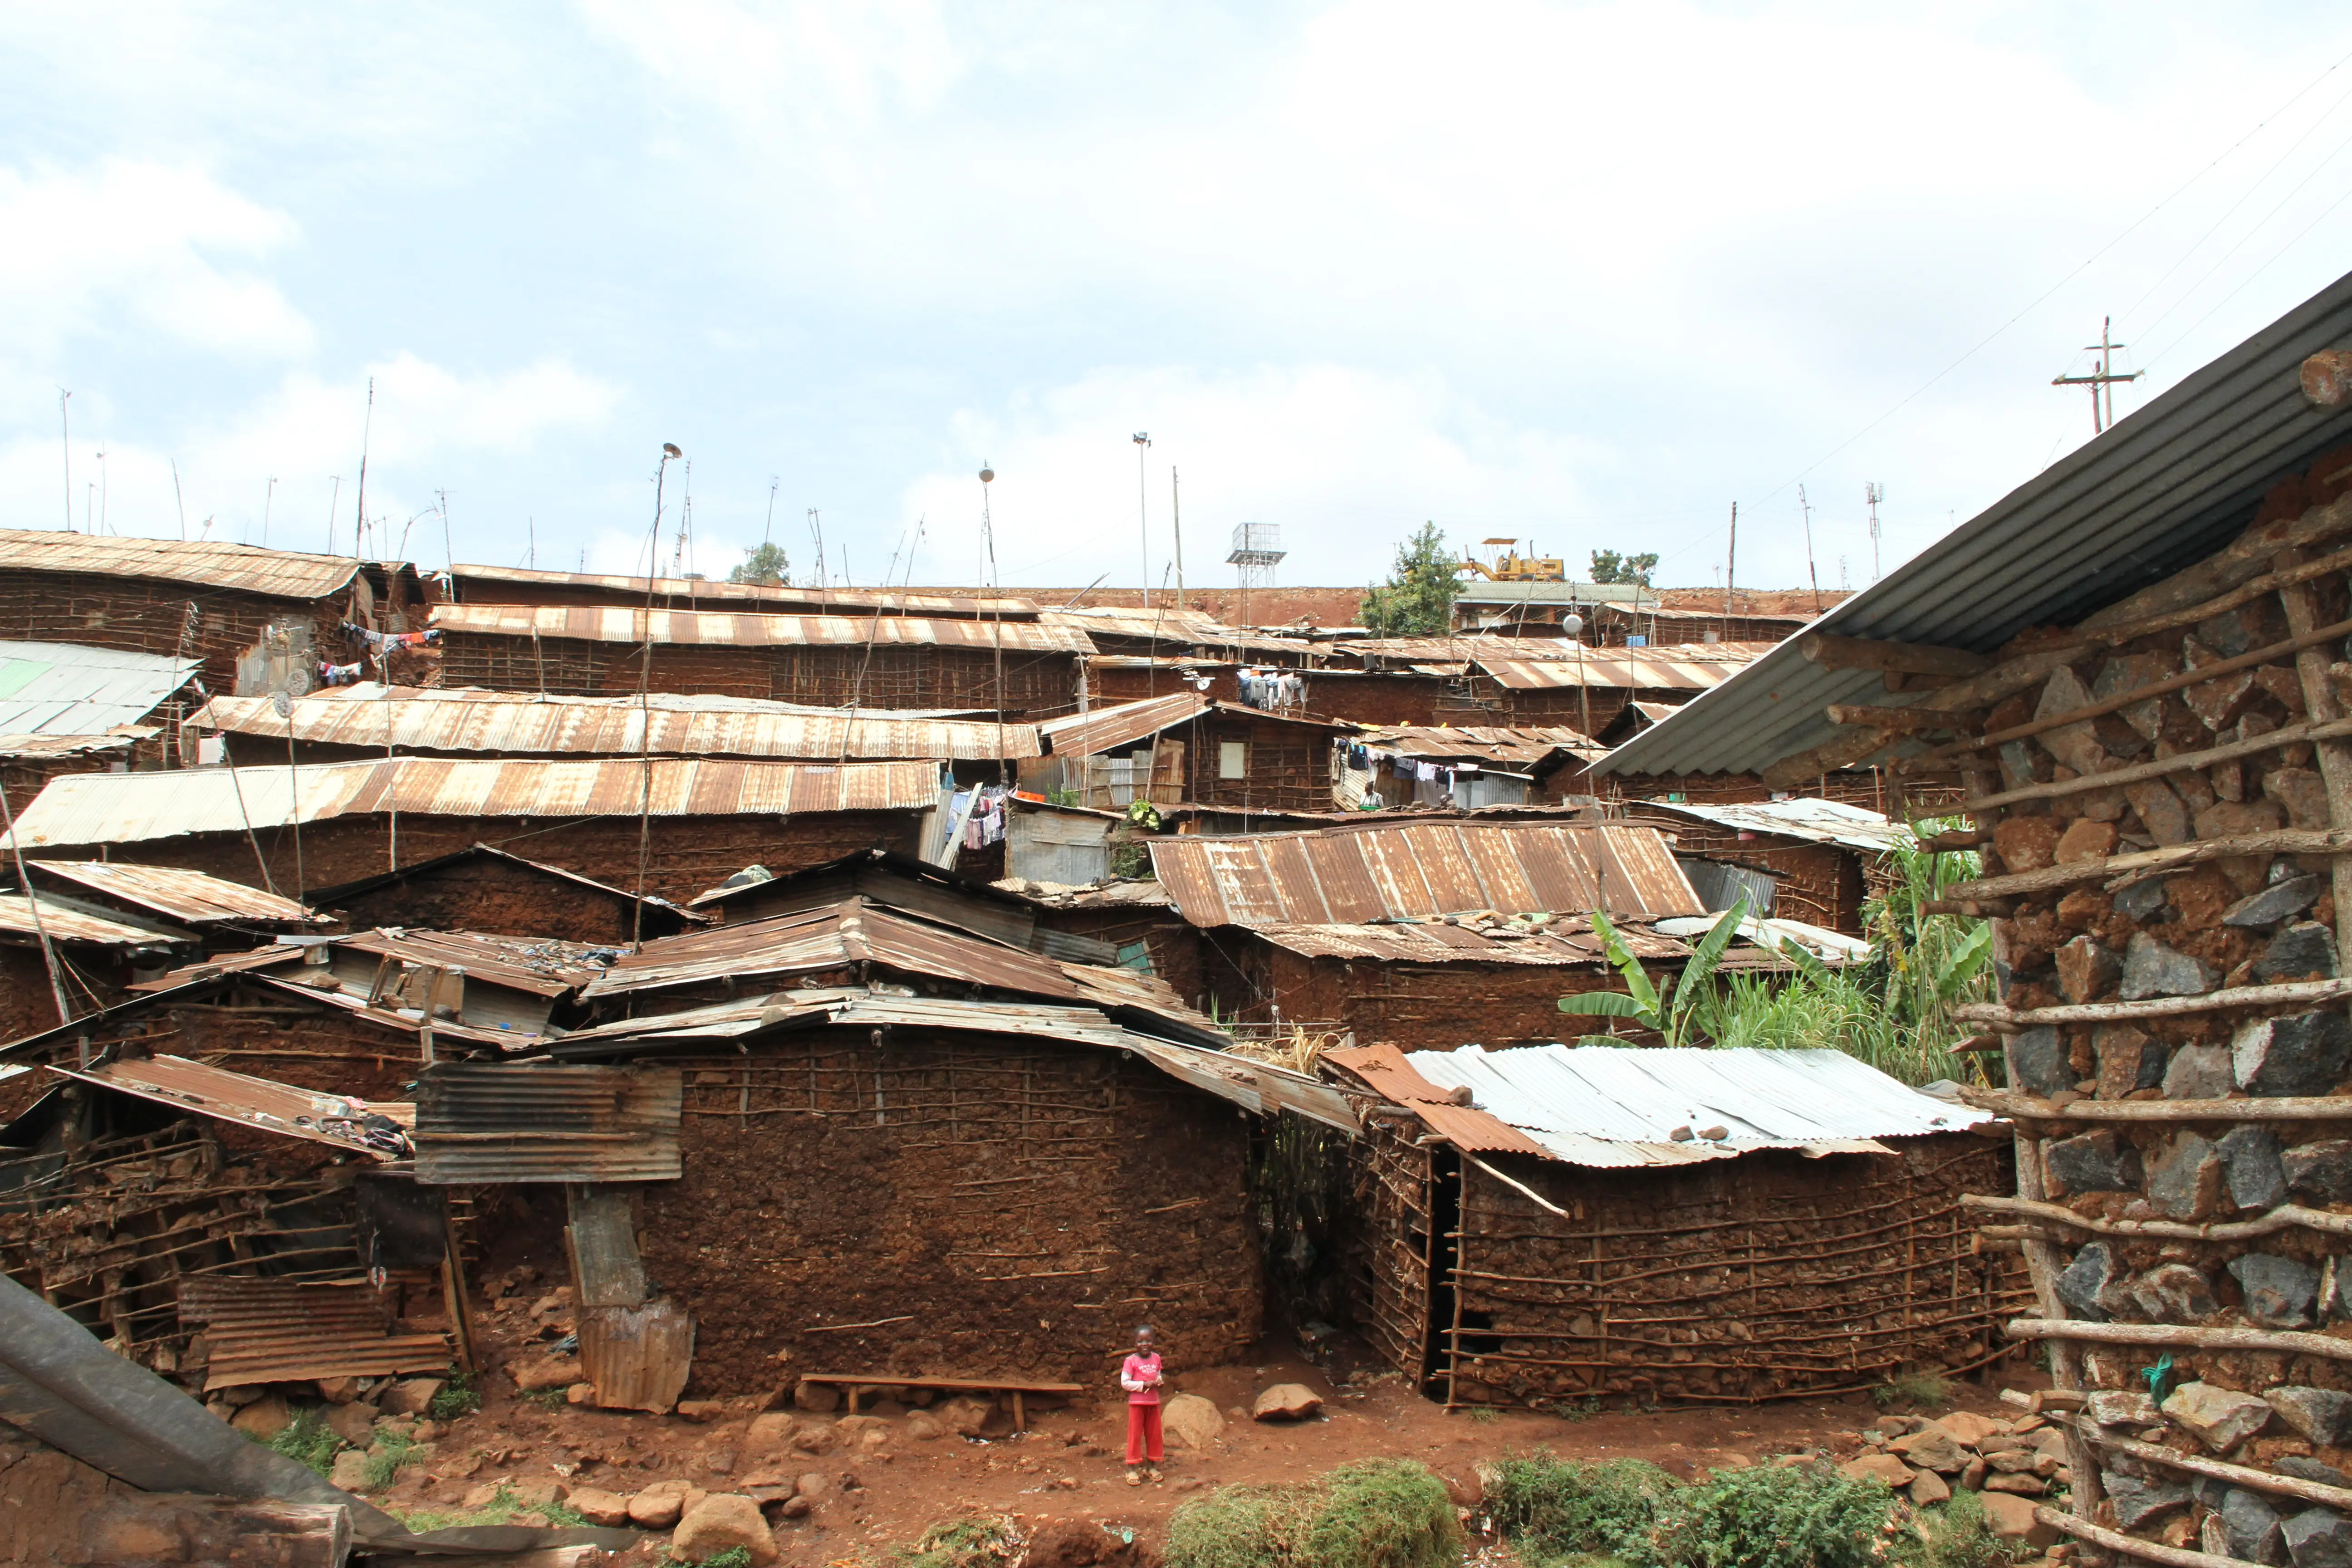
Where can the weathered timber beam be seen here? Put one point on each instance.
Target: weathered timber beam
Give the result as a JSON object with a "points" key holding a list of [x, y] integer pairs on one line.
{"points": [[1926, 761], [2327, 378], [2281, 1108], [1845, 751], [2287, 736], [2244, 557], [2132, 1545], [1978, 691], [2286, 1217], [1904, 720], [1834, 652], [2139, 865], [2284, 1342]]}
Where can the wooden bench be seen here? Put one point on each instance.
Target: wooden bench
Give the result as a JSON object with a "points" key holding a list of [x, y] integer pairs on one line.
{"points": [[853, 1383]]}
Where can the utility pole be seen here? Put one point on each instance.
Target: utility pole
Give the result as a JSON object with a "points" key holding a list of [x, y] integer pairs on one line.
{"points": [[1176, 512], [1143, 511], [1807, 507], [65, 446], [1730, 571], [1873, 493], [2102, 380]]}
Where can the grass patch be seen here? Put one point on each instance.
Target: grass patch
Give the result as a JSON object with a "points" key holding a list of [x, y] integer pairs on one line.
{"points": [[1782, 1516], [732, 1557], [1959, 1536], [391, 1450], [1485, 1415], [461, 1397], [500, 1510], [548, 1398], [1570, 1410], [1564, 1510], [308, 1440], [991, 1541], [1634, 1514], [1382, 1513], [1921, 1390]]}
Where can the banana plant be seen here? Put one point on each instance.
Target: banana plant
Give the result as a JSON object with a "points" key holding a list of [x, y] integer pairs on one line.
{"points": [[1671, 1012]]}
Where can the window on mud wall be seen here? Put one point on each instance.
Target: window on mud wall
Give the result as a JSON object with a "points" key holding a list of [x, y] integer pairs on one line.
{"points": [[1233, 759]]}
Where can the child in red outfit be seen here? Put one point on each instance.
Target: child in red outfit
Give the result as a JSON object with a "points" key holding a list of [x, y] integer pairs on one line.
{"points": [[1139, 1374]]}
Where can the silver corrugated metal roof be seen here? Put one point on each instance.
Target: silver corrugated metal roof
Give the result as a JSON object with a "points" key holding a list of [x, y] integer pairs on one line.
{"points": [[2166, 486], [63, 689], [470, 719], [1694, 667], [613, 624], [1611, 1106], [188, 895], [283, 574], [1817, 821], [123, 808], [889, 601]]}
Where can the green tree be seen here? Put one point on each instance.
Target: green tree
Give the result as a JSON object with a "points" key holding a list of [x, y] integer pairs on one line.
{"points": [[1607, 566], [1418, 600], [766, 565]]}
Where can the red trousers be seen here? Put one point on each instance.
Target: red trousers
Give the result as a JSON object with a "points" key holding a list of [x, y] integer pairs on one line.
{"points": [[1142, 1432]]}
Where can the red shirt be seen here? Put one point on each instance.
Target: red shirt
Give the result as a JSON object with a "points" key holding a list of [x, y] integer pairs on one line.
{"points": [[1140, 1375]]}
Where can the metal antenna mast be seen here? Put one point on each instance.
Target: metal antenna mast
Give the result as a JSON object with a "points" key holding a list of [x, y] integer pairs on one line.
{"points": [[1873, 493], [1143, 511]]}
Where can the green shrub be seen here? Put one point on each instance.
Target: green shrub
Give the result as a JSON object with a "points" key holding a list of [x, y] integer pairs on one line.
{"points": [[733, 1557], [1959, 1536], [986, 1543], [459, 1397], [1561, 1509], [308, 1440], [1381, 1514], [1924, 1390], [1780, 1517]]}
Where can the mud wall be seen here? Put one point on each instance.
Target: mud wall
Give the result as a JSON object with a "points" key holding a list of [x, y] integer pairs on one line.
{"points": [[1416, 1006], [1285, 767], [990, 1207], [889, 675], [1760, 1277], [2171, 939], [503, 899], [1822, 883], [1173, 943], [690, 854]]}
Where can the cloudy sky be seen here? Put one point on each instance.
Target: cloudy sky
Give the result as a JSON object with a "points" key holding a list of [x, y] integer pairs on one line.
{"points": [[1584, 274]]}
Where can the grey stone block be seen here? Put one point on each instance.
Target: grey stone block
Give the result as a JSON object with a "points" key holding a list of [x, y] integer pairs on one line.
{"points": [[2279, 1291], [2279, 900], [2318, 1538], [2302, 1053], [2250, 1165], [2152, 969], [2321, 1171], [2040, 1058], [2198, 1072], [2092, 1162], [2303, 949]]}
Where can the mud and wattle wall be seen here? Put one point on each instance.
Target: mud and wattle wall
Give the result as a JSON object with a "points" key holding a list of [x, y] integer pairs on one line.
{"points": [[991, 1206], [502, 899]]}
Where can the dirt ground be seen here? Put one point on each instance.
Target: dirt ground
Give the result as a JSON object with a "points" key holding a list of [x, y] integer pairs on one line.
{"points": [[1066, 1470]]}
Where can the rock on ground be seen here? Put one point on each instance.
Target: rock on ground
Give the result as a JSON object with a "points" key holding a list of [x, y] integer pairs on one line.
{"points": [[1192, 1419], [264, 1418], [1879, 1468], [658, 1505], [601, 1507], [722, 1521], [1286, 1402], [412, 1396], [351, 1423], [350, 1473], [1967, 1428], [1930, 1449]]}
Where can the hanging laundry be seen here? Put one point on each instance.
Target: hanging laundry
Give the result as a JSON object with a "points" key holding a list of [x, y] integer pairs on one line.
{"points": [[340, 673]]}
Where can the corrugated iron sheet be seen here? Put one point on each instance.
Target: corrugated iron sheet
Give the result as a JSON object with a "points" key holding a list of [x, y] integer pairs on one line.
{"points": [[1612, 1107], [890, 601], [1815, 821], [2166, 486], [1121, 724], [1179, 626], [526, 725], [542, 967], [1347, 876], [270, 1330], [611, 623], [62, 924], [1690, 667], [63, 689], [283, 573], [1524, 746], [121, 737], [484, 1121], [638, 1357], [256, 1103], [124, 808], [1435, 942], [189, 896]]}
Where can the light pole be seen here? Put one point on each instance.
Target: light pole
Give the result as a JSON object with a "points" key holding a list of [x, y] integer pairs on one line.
{"points": [[1143, 512]]}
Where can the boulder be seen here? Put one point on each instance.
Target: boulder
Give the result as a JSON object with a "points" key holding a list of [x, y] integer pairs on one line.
{"points": [[772, 1429], [2249, 1524], [411, 1396], [2318, 1538], [264, 1418], [2321, 1415], [813, 1440], [2142, 1501], [2304, 950], [339, 1389], [2304, 1470], [2017, 1483], [2302, 793], [814, 1486], [601, 1507], [1286, 1402], [1930, 1449], [2012, 1519], [2096, 1162], [855, 1428], [2219, 1417], [965, 1415], [722, 1523], [351, 1423], [2085, 840], [350, 1471], [1193, 1420], [532, 1374], [1969, 1429], [2279, 1291], [2252, 1167], [701, 1412], [818, 1398], [658, 1505], [580, 1393], [1884, 1467], [538, 1494], [924, 1427], [1927, 1487], [2152, 969], [2320, 1170], [2302, 1053], [2089, 1284], [2026, 842], [2279, 900], [2184, 1177], [2038, 1055], [2174, 1293], [2198, 1072]]}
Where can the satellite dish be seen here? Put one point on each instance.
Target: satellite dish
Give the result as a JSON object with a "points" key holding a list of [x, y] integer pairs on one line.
{"points": [[669, 449], [282, 704], [1572, 624], [987, 474]]}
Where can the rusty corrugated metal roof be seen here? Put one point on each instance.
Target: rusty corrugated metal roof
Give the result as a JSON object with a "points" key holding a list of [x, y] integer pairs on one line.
{"points": [[1524, 746], [543, 967], [1178, 625], [257, 1102], [1347, 876], [1384, 1070], [124, 808], [274, 1330], [121, 737], [283, 573], [481, 1122], [63, 924], [611, 623], [193, 897], [889, 600], [1693, 667], [1433, 942], [521, 723], [327, 898], [1120, 724]]}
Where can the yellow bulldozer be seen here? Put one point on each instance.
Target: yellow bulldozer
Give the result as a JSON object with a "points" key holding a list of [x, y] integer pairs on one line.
{"points": [[1510, 566]]}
